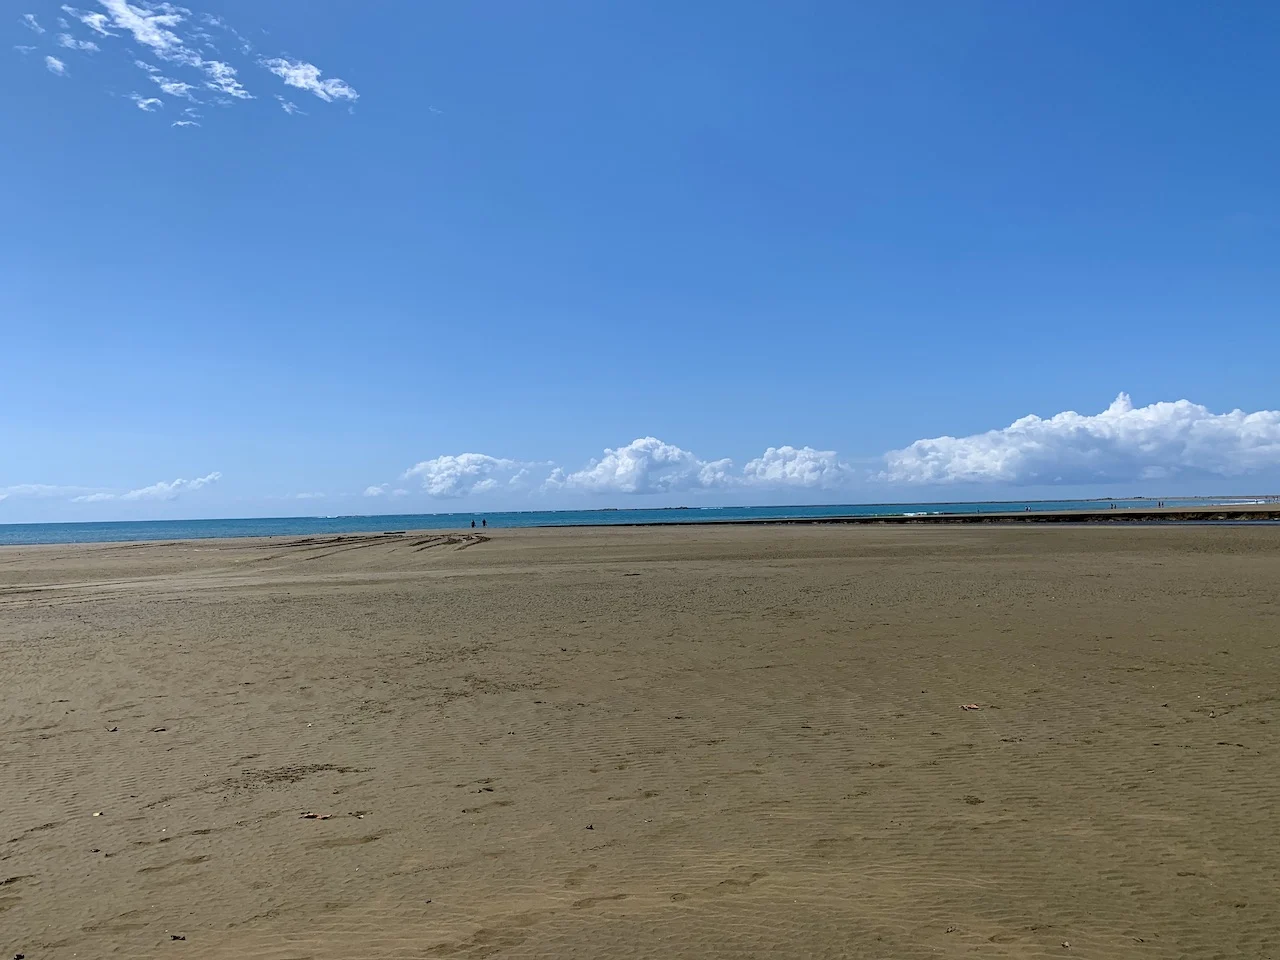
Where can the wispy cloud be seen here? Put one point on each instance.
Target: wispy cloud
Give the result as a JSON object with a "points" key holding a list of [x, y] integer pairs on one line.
{"points": [[1123, 442], [184, 123], [148, 104], [306, 76], [150, 24], [385, 490], [24, 49], [153, 26], [245, 46], [308, 496], [31, 23], [222, 77], [97, 22], [55, 66], [71, 43], [40, 491], [180, 38], [164, 490], [168, 85], [174, 88]]}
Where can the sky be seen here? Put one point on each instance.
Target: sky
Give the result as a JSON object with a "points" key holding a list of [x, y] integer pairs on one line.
{"points": [[295, 258]]}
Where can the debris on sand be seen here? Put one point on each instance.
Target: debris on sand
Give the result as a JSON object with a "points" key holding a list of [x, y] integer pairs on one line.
{"points": [[316, 816], [970, 706]]}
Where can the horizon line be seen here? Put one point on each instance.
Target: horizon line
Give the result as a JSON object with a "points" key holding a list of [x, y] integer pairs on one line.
{"points": [[760, 506]]}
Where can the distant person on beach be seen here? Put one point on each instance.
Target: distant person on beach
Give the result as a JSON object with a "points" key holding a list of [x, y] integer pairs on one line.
{"points": [[473, 524], [484, 523]]}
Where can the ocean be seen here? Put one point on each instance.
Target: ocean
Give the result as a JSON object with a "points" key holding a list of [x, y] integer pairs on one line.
{"points": [[14, 534]]}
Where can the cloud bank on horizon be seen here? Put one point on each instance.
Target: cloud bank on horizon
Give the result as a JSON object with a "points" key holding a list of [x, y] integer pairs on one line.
{"points": [[1160, 441], [1123, 443], [186, 43], [648, 465]]}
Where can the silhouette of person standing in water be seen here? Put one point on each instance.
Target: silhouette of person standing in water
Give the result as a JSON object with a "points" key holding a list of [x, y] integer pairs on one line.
{"points": [[484, 523], [473, 524]]}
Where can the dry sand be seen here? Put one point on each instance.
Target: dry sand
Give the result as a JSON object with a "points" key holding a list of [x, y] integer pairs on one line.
{"points": [[689, 742]]}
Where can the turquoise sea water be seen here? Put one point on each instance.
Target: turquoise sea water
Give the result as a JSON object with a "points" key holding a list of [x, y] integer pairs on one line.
{"points": [[33, 533]]}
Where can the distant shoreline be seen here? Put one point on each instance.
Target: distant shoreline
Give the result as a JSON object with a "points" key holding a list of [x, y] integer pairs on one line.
{"points": [[1206, 510], [1262, 513]]}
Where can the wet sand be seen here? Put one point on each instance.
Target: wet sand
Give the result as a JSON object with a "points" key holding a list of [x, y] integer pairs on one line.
{"points": [[702, 742]]}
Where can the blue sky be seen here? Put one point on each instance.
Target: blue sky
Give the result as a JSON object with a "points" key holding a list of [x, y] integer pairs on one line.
{"points": [[515, 255]]}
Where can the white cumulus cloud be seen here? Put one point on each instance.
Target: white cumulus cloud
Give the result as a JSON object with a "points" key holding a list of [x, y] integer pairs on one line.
{"points": [[56, 66], [457, 475], [306, 76], [164, 490], [1123, 442], [802, 467], [148, 104], [649, 465], [31, 23], [646, 465]]}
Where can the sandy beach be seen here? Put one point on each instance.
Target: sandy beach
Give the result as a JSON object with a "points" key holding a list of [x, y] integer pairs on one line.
{"points": [[694, 742]]}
